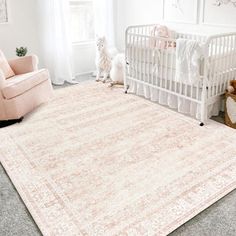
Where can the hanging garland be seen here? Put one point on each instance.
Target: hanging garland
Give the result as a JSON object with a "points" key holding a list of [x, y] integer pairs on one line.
{"points": [[221, 2]]}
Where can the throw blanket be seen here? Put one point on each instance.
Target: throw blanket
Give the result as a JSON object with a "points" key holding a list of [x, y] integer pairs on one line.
{"points": [[188, 55]]}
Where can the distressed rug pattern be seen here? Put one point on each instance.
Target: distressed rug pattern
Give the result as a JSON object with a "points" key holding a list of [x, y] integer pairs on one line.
{"points": [[95, 161]]}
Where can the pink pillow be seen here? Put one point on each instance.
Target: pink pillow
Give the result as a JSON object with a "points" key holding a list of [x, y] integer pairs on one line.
{"points": [[5, 67]]}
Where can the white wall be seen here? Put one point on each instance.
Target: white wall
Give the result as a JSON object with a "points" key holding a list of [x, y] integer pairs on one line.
{"points": [[22, 28], [134, 12]]}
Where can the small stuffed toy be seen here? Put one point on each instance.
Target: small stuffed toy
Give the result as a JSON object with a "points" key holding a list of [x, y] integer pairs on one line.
{"points": [[232, 87], [162, 31], [103, 60], [118, 70]]}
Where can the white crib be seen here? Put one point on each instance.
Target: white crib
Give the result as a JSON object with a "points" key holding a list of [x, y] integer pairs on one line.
{"points": [[151, 70]]}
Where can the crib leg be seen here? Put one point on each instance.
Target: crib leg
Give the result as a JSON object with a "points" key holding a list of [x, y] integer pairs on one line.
{"points": [[203, 115], [127, 88]]}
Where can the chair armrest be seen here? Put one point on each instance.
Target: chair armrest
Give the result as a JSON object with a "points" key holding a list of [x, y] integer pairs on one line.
{"points": [[24, 65], [2, 79], [2, 83]]}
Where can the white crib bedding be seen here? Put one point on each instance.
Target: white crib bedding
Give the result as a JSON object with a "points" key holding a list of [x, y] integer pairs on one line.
{"points": [[140, 53], [182, 105], [162, 75]]}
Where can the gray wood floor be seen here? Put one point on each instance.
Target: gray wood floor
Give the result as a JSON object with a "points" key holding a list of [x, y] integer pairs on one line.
{"points": [[15, 220]]}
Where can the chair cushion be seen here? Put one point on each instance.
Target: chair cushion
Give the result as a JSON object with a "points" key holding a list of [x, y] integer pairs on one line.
{"points": [[5, 67], [19, 84]]}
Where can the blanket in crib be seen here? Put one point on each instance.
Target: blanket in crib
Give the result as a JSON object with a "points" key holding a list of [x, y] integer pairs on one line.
{"points": [[188, 55]]}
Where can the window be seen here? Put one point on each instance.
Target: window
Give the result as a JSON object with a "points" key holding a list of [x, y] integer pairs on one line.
{"points": [[82, 21]]}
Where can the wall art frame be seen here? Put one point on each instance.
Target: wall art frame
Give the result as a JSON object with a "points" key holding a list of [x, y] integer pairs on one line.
{"points": [[213, 14], [4, 16], [177, 11]]}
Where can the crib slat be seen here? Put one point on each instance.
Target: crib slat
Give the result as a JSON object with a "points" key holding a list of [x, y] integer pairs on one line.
{"points": [[140, 57], [166, 75], [172, 68], [161, 66], [144, 59], [234, 58], [134, 57], [231, 57], [211, 65], [221, 63], [129, 56], [227, 64], [157, 70], [216, 80], [149, 61], [153, 54]]}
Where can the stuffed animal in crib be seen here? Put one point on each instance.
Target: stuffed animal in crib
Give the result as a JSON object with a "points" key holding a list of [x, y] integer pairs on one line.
{"points": [[162, 31], [103, 60], [117, 74], [232, 87]]}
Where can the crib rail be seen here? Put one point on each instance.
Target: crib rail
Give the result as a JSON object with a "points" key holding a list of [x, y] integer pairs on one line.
{"points": [[146, 30]]}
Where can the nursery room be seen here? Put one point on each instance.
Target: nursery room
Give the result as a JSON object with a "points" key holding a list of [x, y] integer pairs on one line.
{"points": [[117, 117]]}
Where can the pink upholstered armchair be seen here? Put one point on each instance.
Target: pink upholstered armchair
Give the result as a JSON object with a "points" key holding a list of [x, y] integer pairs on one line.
{"points": [[22, 87]]}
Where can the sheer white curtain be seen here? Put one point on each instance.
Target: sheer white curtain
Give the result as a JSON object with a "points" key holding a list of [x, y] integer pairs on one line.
{"points": [[104, 20], [55, 38]]}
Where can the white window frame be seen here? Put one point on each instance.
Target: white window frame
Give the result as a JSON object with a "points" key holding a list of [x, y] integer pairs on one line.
{"points": [[85, 42]]}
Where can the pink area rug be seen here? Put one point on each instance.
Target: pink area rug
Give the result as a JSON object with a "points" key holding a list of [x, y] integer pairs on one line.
{"points": [[95, 161]]}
